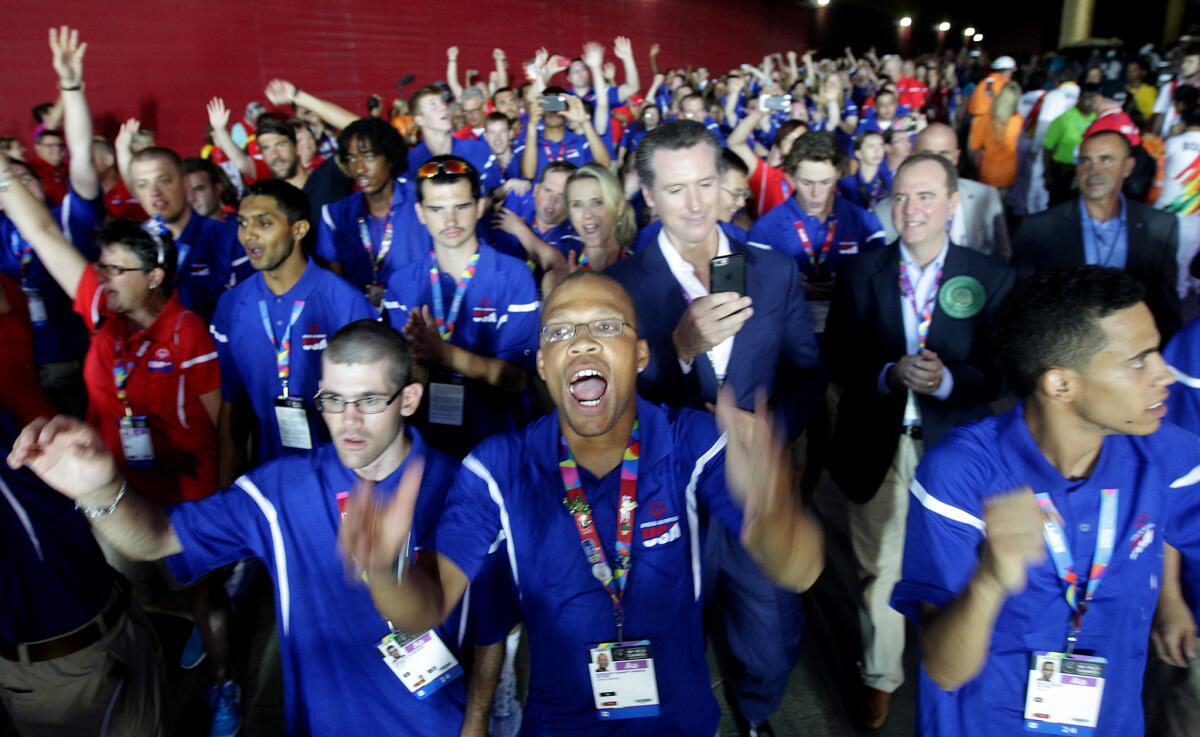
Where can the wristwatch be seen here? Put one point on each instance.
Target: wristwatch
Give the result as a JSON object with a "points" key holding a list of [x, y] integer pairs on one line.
{"points": [[93, 512]]}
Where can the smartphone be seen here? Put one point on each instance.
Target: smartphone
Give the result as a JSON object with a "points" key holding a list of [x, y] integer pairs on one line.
{"points": [[728, 274], [553, 103], [775, 103]]}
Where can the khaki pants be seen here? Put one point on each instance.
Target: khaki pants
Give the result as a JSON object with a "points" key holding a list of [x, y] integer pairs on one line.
{"points": [[877, 536], [113, 687]]}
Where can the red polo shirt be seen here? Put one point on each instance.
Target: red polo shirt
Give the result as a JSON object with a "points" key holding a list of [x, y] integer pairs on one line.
{"points": [[121, 204]]}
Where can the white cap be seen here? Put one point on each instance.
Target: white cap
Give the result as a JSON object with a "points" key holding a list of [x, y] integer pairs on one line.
{"points": [[1004, 63]]}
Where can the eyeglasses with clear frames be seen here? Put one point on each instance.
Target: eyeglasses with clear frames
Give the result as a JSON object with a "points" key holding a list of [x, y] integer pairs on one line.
{"points": [[372, 404], [605, 328], [738, 195]]}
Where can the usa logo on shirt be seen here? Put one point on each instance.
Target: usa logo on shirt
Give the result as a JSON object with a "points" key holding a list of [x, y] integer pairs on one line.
{"points": [[1142, 538], [660, 532], [161, 363], [200, 270], [314, 339], [848, 247], [484, 314]]}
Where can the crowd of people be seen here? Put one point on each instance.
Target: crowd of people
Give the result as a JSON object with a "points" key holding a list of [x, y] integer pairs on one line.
{"points": [[444, 374]]}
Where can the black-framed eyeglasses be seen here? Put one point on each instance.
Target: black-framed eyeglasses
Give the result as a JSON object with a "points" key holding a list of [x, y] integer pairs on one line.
{"points": [[372, 404], [112, 270], [605, 328]]}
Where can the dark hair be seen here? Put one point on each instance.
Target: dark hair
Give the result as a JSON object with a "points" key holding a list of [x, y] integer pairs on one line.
{"points": [[1127, 146], [818, 146], [886, 90], [594, 276], [1050, 320], [414, 102], [502, 89], [565, 167], [291, 201], [1191, 116], [947, 168], [368, 341], [144, 245], [50, 132], [159, 152], [497, 117], [445, 177], [1186, 94], [674, 136], [380, 136], [730, 160], [787, 127], [216, 175], [862, 137], [274, 125], [692, 96], [554, 90], [41, 111]]}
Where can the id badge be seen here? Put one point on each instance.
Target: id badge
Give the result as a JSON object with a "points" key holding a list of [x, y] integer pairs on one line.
{"points": [[135, 441], [446, 400], [293, 423], [423, 663], [1063, 693], [37, 306], [623, 681]]}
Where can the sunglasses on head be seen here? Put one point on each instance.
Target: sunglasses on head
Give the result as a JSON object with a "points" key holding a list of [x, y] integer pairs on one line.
{"points": [[450, 166]]}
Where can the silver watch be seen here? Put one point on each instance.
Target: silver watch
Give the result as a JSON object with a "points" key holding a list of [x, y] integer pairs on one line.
{"points": [[93, 512]]}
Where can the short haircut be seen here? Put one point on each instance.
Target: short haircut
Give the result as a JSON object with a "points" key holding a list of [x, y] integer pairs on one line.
{"points": [[692, 96], [473, 92], [733, 162], [947, 168], [291, 201], [274, 125], [144, 245], [497, 117], [414, 102], [559, 167], [368, 341], [862, 138], [158, 152], [1126, 145], [379, 136], [50, 132], [41, 111], [102, 142], [216, 175], [298, 124], [502, 89], [817, 146], [787, 128], [886, 91], [445, 177], [674, 136], [1050, 320], [599, 277]]}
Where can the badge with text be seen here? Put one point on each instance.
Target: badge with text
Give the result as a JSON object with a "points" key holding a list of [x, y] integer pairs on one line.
{"points": [[37, 306], [423, 663], [135, 441], [623, 681], [1063, 693], [446, 400], [961, 297], [293, 423]]}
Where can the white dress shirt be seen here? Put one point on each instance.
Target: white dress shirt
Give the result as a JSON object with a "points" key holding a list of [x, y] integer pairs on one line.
{"points": [[694, 289]]}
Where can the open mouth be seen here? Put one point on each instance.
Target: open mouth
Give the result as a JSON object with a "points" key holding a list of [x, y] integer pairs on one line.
{"points": [[588, 387], [1158, 409]]}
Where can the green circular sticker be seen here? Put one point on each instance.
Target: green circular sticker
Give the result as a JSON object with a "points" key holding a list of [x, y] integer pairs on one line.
{"points": [[961, 297]]}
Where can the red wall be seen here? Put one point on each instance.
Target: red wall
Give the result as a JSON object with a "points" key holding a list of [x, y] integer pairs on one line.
{"points": [[161, 61]]}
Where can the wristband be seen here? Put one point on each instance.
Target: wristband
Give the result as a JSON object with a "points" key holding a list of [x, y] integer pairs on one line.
{"points": [[93, 512], [76, 88]]}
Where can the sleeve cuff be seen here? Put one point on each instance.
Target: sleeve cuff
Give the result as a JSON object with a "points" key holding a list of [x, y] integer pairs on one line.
{"points": [[881, 382], [685, 366], [946, 387]]}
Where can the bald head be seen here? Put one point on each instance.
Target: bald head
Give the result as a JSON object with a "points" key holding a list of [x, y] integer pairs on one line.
{"points": [[940, 139], [588, 287]]}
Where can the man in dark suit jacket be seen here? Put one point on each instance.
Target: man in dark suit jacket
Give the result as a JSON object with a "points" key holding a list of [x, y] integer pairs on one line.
{"points": [[1102, 227], [762, 341], [907, 342]]}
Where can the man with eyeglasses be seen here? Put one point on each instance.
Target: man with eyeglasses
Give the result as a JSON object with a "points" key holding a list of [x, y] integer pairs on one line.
{"points": [[287, 513], [270, 331], [596, 507], [469, 312]]}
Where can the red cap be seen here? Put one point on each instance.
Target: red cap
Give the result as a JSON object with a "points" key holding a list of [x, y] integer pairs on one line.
{"points": [[1118, 121]]}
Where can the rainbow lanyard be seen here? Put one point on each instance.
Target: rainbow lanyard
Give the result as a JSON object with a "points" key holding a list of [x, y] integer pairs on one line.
{"points": [[1064, 563], [924, 314], [817, 259], [562, 151], [283, 348], [122, 368], [613, 578], [385, 246], [875, 191], [445, 323], [24, 251]]}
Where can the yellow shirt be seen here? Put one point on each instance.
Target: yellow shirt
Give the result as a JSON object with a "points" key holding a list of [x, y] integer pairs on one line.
{"points": [[1144, 97]]}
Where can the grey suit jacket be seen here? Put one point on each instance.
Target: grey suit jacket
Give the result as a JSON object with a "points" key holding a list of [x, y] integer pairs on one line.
{"points": [[984, 227]]}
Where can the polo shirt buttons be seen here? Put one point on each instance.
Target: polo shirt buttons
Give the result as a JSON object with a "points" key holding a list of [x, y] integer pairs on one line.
{"points": [[1085, 527]]}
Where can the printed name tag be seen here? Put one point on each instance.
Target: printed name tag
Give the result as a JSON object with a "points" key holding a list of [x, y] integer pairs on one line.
{"points": [[446, 403], [1063, 693], [135, 441], [293, 423], [423, 663], [623, 681], [37, 306]]}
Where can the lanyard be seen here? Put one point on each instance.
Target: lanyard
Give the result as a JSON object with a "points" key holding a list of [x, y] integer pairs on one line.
{"points": [[562, 151], [385, 246], [1064, 563], [283, 348], [924, 313], [122, 368], [817, 259], [445, 323], [872, 192], [615, 578]]}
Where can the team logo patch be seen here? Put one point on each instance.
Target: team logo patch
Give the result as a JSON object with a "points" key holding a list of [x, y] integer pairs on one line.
{"points": [[156, 366], [484, 314], [200, 270], [314, 339], [1141, 539], [660, 531], [848, 247]]}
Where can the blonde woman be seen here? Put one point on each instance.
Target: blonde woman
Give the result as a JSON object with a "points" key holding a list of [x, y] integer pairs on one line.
{"points": [[602, 219], [993, 139]]}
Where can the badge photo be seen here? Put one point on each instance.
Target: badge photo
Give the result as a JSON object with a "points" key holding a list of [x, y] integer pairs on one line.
{"points": [[961, 297]]}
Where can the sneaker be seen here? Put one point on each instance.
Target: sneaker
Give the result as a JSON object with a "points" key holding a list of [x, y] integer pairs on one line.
{"points": [[506, 710], [225, 701], [193, 652]]}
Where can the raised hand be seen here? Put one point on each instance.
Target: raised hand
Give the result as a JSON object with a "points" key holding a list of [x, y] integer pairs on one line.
{"points": [[218, 114], [1014, 539], [69, 455], [593, 54], [655, 49], [452, 53], [575, 111], [67, 56], [280, 92], [373, 534], [125, 135], [421, 332], [622, 48], [498, 55], [756, 471]]}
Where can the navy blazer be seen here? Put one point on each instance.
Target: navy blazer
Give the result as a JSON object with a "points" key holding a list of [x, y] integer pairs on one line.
{"points": [[775, 350], [865, 332]]}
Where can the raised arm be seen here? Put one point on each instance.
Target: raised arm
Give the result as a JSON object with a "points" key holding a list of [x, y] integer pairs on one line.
{"points": [[593, 58], [739, 139], [218, 120], [577, 114], [67, 54], [501, 69], [283, 92], [529, 157], [654, 49], [124, 146], [36, 225], [456, 88], [54, 116], [624, 51]]}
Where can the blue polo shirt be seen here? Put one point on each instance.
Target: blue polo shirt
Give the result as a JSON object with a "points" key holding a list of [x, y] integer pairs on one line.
{"points": [[633, 137], [500, 318], [211, 260], [1156, 475], [475, 152], [859, 191], [511, 484], [1183, 409], [525, 206], [340, 241], [495, 174], [247, 354], [858, 230], [614, 96], [286, 514], [573, 148], [62, 335]]}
